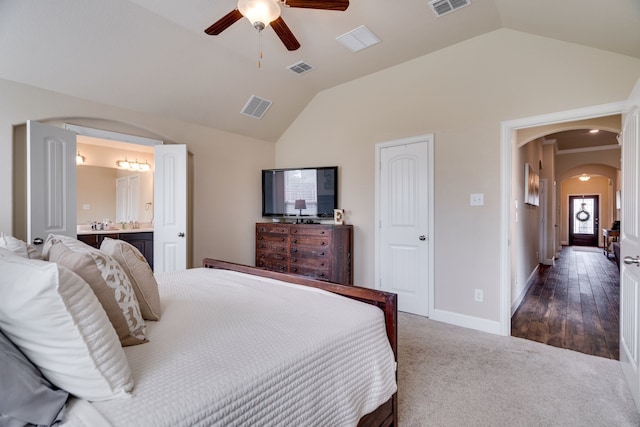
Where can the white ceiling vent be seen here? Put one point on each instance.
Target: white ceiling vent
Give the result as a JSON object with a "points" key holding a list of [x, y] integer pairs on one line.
{"points": [[300, 67], [256, 107], [442, 7], [358, 39]]}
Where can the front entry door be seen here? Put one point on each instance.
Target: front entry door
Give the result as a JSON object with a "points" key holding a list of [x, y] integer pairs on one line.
{"points": [[583, 220], [405, 221]]}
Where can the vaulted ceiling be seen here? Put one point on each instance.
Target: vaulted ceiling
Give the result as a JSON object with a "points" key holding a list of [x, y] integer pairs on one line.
{"points": [[153, 55]]}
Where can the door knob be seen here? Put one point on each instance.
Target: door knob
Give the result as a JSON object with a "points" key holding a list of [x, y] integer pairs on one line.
{"points": [[423, 237], [38, 241], [181, 234], [632, 260]]}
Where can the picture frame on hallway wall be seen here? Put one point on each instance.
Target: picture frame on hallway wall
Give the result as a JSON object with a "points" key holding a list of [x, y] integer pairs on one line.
{"points": [[531, 186]]}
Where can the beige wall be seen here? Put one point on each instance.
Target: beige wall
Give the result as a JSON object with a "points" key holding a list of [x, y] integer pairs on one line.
{"points": [[461, 94], [226, 167]]}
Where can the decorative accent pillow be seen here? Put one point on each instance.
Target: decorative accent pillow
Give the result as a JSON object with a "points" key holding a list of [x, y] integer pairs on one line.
{"points": [[54, 318], [107, 280], [19, 247], [140, 275], [26, 397]]}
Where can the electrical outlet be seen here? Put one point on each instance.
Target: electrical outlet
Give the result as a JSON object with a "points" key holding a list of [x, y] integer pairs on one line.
{"points": [[476, 199], [479, 295]]}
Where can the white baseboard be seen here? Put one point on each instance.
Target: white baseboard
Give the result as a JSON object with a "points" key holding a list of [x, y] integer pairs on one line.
{"points": [[516, 303], [548, 261], [465, 321]]}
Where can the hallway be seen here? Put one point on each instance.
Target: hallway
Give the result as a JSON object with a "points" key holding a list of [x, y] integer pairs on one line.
{"points": [[573, 304]]}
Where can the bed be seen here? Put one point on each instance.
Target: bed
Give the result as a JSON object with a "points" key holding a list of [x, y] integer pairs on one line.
{"points": [[237, 345]]}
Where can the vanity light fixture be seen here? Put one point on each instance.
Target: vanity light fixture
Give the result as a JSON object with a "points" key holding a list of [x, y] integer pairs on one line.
{"points": [[134, 166], [584, 177], [79, 159]]}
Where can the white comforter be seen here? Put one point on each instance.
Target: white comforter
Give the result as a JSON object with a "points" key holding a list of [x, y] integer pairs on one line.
{"points": [[237, 350]]}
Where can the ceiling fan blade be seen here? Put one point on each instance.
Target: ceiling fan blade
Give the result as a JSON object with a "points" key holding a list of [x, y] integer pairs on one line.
{"points": [[319, 4], [223, 23], [285, 34]]}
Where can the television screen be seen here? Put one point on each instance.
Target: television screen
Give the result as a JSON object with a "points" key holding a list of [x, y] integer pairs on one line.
{"points": [[310, 192]]}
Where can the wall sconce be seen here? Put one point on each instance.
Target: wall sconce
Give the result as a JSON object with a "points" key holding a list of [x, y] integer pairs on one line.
{"points": [[133, 166], [584, 177], [79, 159]]}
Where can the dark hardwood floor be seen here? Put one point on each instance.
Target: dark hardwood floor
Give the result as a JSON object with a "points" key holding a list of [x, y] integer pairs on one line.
{"points": [[573, 304]]}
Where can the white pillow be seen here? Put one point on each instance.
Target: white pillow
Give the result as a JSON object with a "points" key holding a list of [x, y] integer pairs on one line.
{"points": [[19, 247], [54, 318]]}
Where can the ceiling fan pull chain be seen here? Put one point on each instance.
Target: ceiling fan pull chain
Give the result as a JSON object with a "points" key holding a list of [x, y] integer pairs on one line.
{"points": [[259, 49]]}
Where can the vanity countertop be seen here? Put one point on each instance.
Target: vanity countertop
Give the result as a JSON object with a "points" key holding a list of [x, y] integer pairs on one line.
{"points": [[114, 230]]}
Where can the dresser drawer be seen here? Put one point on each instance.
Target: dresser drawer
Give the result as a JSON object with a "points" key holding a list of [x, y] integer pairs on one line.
{"points": [[272, 256], [272, 243], [316, 273], [320, 242], [272, 265], [310, 262], [313, 230], [272, 229], [309, 251]]}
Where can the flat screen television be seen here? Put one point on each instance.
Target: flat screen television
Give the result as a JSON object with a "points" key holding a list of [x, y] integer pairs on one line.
{"points": [[284, 190]]}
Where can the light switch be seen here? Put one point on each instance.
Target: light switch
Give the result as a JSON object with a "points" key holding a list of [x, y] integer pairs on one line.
{"points": [[86, 207], [477, 199]]}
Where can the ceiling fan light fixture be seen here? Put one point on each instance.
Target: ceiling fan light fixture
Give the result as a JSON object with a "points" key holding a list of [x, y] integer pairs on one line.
{"points": [[259, 12]]}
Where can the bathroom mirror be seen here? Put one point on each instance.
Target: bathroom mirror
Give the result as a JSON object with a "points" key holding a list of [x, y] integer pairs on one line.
{"points": [[113, 194]]}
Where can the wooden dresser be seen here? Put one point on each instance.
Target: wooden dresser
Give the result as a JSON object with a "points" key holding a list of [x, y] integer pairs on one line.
{"points": [[320, 251]]}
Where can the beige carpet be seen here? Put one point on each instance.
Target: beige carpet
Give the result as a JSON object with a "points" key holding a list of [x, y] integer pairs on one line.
{"points": [[451, 376]]}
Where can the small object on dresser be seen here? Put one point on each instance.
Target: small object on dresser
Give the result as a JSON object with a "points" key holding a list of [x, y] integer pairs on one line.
{"points": [[338, 216]]}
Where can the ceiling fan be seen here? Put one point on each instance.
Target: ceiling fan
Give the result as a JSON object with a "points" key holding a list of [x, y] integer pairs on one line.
{"points": [[262, 13]]}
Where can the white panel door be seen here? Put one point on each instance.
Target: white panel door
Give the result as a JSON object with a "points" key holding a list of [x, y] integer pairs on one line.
{"points": [[404, 244], [630, 251], [170, 238], [51, 182]]}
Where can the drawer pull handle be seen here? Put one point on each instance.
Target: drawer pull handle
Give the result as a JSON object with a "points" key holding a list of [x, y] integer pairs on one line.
{"points": [[294, 250], [323, 243]]}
